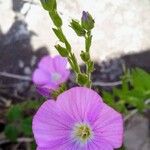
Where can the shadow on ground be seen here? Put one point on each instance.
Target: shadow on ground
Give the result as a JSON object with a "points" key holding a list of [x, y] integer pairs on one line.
{"points": [[17, 56]]}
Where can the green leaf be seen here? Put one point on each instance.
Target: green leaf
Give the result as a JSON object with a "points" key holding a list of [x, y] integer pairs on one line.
{"points": [[29, 104], [140, 79], [59, 34], [108, 98], [55, 18], [26, 126], [75, 64], [68, 46], [62, 51], [14, 113], [136, 99], [75, 25], [11, 132], [120, 106], [33, 146], [49, 5]]}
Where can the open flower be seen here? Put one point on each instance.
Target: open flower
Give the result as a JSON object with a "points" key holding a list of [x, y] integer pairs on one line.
{"points": [[78, 120], [51, 72]]}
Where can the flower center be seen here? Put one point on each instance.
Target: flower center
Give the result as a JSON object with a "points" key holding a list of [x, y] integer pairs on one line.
{"points": [[55, 76], [82, 132]]}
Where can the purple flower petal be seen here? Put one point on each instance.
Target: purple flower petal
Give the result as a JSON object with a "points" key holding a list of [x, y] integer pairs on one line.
{"points": [[77, 112], [59, 63], [81, 103], [42, 148], [50, 74], [84, 15], [109, 126], [40, 78], [66, 75], [99, 144], [44, 91], [46, 64], [50, 127]]}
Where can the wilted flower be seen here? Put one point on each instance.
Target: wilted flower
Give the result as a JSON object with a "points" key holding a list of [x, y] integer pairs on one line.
{"points": [[51, 72], [78, 120]]}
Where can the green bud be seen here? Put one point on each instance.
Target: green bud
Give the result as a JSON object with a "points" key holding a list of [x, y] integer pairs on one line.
{"points": [[87, 21], [55, 18], [85, 56], [82, 79], [62, 51], [75, 25], [90, 66], [49, 5]]}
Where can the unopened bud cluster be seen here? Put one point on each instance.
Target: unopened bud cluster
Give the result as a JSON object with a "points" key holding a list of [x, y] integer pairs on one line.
{"points": [[83, 29]]}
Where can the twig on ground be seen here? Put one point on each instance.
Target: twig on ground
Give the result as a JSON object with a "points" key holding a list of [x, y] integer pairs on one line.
{"points": [[19, 140], [100, 83], [24, 139], [12, 85], [133, 112], [15, 76], [7, 103]]}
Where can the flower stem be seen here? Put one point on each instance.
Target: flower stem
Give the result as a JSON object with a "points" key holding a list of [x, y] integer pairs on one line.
{"points": [[71, 56], [88, 40]]}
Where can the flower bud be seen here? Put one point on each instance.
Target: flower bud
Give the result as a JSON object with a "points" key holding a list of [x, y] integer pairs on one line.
{"points": [[75, 25], [85, 56], [87, 21], [82, 79], [49, 5]]}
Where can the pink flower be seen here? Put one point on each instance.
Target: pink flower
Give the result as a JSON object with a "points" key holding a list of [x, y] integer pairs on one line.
{"points": [[78, 120], [51, 72]]}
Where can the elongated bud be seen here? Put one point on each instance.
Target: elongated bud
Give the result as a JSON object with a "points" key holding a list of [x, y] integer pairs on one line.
{"points": [[75, 25], [55, 18], [87, 21], [62, 51], [49, 5]]}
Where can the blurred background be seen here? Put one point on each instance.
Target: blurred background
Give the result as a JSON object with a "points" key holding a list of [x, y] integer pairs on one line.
{"points": [[121, 39]]}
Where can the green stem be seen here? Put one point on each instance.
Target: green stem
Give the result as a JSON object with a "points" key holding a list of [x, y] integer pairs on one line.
{"points": [[87, 48], [71, 58]]}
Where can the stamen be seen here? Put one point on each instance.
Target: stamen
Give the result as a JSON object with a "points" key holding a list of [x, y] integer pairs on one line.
{"points": [[82, 132]]}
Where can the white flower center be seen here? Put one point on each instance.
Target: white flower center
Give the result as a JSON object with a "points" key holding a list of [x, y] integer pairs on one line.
{"points": [[82, 132], [55, 76]]}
